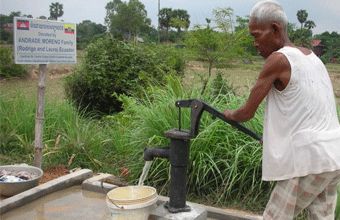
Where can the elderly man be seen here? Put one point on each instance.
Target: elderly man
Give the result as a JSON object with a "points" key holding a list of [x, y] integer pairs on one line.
{"points": [[301, 136]]}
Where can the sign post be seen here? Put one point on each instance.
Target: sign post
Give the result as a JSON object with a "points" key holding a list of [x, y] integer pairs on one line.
{"points": [[42, 42], [39, 118]]}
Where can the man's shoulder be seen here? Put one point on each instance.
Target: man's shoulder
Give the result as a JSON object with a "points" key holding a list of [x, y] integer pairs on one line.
{"points": [[277, 60]]}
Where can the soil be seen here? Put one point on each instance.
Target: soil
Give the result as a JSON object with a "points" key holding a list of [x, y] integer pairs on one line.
{"points": [[53, 172]]}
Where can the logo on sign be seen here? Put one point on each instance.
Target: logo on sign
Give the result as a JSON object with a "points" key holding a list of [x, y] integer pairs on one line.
{"points": [[69, 29], [23, 25]]}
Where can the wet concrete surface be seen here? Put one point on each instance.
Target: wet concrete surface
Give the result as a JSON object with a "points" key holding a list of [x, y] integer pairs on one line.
{"points": [[70, 203], [74, 203]]}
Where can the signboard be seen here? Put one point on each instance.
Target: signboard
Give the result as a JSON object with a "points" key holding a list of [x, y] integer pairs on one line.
{"points": [[39, 41]]}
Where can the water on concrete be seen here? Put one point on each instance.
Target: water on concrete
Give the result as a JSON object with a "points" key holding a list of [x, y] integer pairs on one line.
{"points": [[70, 203]]}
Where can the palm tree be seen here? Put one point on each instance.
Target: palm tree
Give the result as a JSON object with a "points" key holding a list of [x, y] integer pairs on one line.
{"points": [[165, 16], [183, 16], [309, 25], [56, 11], [302, 16], [332, 48]]}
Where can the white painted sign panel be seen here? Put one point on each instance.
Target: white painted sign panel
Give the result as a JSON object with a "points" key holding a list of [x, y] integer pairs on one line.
{"points": [[39, 41]]}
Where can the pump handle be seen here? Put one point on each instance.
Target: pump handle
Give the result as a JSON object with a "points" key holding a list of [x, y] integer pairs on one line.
{"points": [[198, 106]]}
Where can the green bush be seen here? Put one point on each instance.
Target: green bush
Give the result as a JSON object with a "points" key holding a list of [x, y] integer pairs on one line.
{"points": [[6, 36], [220, 86], [7, 67], [324, 60], [112, 68]]}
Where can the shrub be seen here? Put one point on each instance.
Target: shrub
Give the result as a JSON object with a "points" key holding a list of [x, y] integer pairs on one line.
{"points": [[6, 36], [324, 60], [7, 67], [219, 85], [112, 68]]}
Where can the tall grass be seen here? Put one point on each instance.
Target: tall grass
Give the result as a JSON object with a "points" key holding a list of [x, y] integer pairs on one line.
{"points": [[65, 132], [337, 208], [225, 164]]}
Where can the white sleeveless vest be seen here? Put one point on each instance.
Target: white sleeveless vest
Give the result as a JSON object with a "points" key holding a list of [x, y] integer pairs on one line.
{"points": [[301, 133]]}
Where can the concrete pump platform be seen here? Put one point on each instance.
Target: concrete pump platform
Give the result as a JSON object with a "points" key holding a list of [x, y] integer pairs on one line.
{"points": [[80, 195]]}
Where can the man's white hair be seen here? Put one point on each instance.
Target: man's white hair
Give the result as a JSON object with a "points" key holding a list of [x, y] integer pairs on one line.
{"points": [[269, 10]]}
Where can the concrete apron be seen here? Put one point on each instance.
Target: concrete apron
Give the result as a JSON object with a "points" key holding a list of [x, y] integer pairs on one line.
{"points": [[95, 183]]}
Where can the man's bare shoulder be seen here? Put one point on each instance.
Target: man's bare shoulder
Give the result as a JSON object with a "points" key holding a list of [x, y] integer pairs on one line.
{"points": [[276, 61]]}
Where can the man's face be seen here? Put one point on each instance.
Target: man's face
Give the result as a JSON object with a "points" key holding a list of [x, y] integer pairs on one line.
{"points": [[264, 38]]}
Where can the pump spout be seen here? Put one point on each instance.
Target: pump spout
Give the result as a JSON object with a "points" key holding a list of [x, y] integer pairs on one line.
{"points": [[161, 152]]}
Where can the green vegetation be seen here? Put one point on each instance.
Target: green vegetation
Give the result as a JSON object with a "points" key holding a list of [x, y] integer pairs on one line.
{"points": [[56, 11], [89, 32], [222, 158], [301, 36], [7, 67], [127, 19], [112, 68], [135, 87], [225, 165], [176, 18], [332, 43]]}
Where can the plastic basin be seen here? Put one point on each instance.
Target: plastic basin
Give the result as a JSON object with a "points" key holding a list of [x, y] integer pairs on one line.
{"points": [[131, 202], [12, 188]]}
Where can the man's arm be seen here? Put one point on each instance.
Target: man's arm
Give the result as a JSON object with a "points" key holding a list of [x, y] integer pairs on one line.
{"points": [[276, 67]]}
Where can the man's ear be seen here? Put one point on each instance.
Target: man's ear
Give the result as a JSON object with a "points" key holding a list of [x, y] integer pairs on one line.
{"points": [[276, 28]]}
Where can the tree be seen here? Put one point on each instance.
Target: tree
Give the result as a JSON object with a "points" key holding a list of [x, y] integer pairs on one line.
{"points": [[332, 43], [6, 19], [165, 15], [181, 15], [86, 32], [129, 19], [291, 28], [216, 46], [56, 11], [208, 22], [332, 48], [248, 45], [224, 19], [310, 25], [302, 16], [111, 8], [302, 37], [242, 23]]}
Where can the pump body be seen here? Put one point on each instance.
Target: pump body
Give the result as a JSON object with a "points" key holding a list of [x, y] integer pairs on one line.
{"points": [[179, 151]]}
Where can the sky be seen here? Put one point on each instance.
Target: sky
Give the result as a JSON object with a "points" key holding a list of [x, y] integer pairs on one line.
{"points": [[325, 13]]}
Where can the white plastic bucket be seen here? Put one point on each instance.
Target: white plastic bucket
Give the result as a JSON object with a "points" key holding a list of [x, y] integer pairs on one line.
{"points": [[131, 202]]}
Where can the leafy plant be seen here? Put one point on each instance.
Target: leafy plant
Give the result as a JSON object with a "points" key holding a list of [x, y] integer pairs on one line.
{"points": [[220, 86], [7, 67], [112, 68]]}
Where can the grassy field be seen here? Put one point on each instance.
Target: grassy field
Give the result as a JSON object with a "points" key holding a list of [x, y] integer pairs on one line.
{"points": [[242, 76]]}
